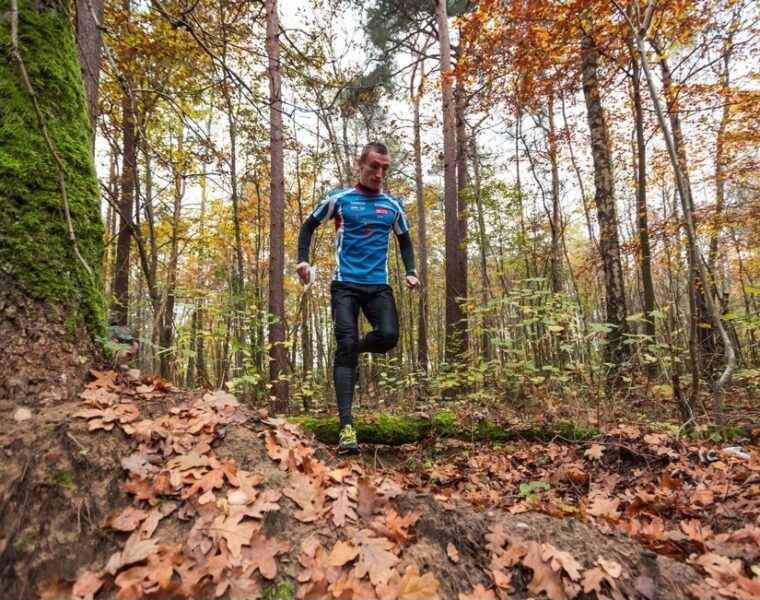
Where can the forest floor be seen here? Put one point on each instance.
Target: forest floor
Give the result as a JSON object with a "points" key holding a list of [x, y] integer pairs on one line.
{"points": [[141, 490]]}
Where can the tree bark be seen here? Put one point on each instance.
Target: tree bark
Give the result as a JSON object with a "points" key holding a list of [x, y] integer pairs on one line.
{"points": [[49, 304], [120, 287], [615, 352], [642, 219], [455, 332], [422, 315], [277, 356], [89, 16]]}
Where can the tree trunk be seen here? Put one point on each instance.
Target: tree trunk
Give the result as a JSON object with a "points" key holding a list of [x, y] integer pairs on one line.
{"points": [[277, 357], [555, 220], [50, 304], [463, 181], [455, 340], [120, 287], [89, 16], [615, 352], [642, 221], [707, 348], [422, 327]]}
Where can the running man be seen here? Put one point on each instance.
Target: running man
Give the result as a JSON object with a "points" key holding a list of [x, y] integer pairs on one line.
{"points": [[364, 218]]}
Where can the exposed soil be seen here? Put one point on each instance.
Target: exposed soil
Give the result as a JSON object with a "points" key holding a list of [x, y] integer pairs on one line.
{"points": [[62, 482]]}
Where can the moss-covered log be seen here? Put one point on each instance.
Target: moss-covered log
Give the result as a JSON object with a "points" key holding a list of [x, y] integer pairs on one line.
{"points": [[397, 430]]}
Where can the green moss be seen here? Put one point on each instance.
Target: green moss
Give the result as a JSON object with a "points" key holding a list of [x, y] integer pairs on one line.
{"points": [[397, 430], [717, 433], [34, 246], [28, 538], [443, 423], [62, 477], [280, 590]]}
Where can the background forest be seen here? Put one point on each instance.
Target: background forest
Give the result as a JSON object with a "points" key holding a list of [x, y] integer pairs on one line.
{"points": [[581, 178]]}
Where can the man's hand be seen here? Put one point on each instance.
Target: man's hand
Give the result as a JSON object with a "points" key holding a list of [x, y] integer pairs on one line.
{"points": [[412, 282], [304, 272]]}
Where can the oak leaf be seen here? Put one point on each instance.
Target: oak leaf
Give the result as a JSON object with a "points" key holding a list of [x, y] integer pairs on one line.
{"points": [[87, 585], [262, 553], [595, 452], [452, 552], [479, 593], [602, 506], [230, 528], [308, 494], [496, 538], [343, 506], [375, 557], [545, 578], [135, 550], [561, 559], [239, 586], [127, 520], [368, 499], [342, 553], [720, 568], [409, 587]]}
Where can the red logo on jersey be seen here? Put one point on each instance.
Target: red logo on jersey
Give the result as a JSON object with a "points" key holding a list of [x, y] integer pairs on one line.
{"points": [[382, 211]]}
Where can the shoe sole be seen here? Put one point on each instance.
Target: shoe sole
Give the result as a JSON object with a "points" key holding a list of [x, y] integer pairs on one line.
{"points": [[349, 450]]}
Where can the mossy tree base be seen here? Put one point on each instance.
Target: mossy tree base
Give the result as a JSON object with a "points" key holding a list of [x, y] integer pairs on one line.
{"points": [[396, 430]]}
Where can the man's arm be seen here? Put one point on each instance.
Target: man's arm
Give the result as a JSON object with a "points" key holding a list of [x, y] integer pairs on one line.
{"points": [[304, 242], [407, 255]]}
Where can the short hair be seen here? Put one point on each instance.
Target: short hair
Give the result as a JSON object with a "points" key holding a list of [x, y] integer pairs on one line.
{"points": [[378, 147]]}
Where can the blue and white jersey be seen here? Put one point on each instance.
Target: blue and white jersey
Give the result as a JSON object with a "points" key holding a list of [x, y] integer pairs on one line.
{"points": [[363, 224]]}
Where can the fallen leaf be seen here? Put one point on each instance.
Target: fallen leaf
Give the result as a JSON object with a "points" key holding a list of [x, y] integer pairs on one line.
{"points": [[496, 538], [545, 579], [479, 593], [595, 452], [230, 528], [452, 552], [367, 498], [86, 585], [127, 520], [308, 493], [342, 553], [343, 506], [375, 557], [409, 587], [702, 497], [262, 552], [604, 507], [560, 559]]}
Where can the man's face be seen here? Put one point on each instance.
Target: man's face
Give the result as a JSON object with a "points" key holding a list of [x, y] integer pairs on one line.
{"points": [[373, 169]]}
